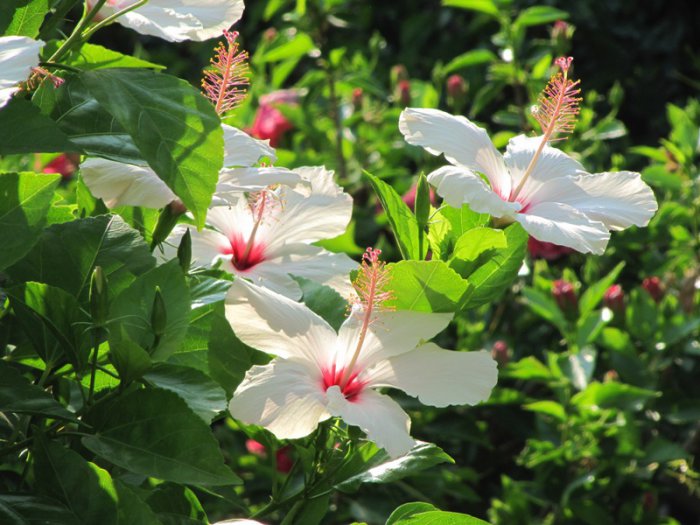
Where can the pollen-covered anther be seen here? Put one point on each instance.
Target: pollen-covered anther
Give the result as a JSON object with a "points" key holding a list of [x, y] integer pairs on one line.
{"points": [[558, 105], [225, 82], [371, 283]]}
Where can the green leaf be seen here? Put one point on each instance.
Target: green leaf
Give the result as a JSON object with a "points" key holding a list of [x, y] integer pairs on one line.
{"points": [[544, 306], [409, 509], [538, 15], [53, 321], [203, 395], [403, 222], [373, 465], [473, 246], [23, 129], [528, 368], [426, 286], [24, 204], [85, 123], [448, 225], [438, 517], [174, 127], [30, 510], [22, 17], [324, 301], [132, 310], [613, 395], [594, 294], [154, 433], [92, 56], [18, 395], [493, 278], [298, 46], [67, 253], [132, 510], [469, 59], [86, 489], [176, 505], [482, 6], [547, 407], [129, 359]]}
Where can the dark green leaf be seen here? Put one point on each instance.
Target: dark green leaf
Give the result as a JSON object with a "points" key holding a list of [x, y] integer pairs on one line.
{"points": [[403, 222], [31, 510], [132, 310], [20, 396], [174, 127], [176, 505], [324, 301], [24, 203], [594, 294], [130, 360], [23, 129], [202, 394], [426, 286], [493, 278], [544, 306], [66, 255], [376, 466], [132, 510], [153, 432]]}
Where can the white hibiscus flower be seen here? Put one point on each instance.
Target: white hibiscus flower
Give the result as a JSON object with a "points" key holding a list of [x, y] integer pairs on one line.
{"points": [[18, 55], [554, 199], [318, 373], [176, 20]]}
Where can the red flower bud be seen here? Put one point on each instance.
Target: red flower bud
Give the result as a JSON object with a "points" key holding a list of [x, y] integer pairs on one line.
{"points": [[357, 95], [614, 299], [404, 93], [282, 456], [500, 352], [269, 121], [654, 287], [546, 250], [456, 86], [65, 164], [565, 297]]}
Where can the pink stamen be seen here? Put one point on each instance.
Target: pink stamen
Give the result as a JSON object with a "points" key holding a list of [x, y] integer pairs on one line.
{"points": [[226, 81]]}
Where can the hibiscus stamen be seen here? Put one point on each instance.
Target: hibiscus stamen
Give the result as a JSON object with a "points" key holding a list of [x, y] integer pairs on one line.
{"points": [[370, 285], [556, 113], [259, 208], [226, 81]]}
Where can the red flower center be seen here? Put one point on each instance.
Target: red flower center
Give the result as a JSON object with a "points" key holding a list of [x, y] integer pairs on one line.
{"points": [[353, 386], [245, 257]]}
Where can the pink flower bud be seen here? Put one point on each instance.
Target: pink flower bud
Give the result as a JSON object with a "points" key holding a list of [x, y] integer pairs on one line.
{"points": [[357, 95], [270, 34], [546, 250], [500, 352], [565, 297], [614, 299], [404, 93], [560, 30], [398, 73], [269, 121], [456, 86], [654, 287], [65, 164], [282, 456]]}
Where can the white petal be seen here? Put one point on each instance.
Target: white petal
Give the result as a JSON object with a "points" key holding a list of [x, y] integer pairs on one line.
{"points": [[379, 416], [18, 55], [323, 212], [462, 142], [121, 184], [240, 149], [391, 333], [284, 396], [618, 199], [551, 164], [232, 218], [277, 325], [237, 180], [439, 377], [178, 20], [563, 225], [458, 185]]}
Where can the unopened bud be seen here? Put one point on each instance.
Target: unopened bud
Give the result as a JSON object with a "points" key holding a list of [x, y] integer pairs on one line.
{"points": [[611, 376], [422, 203], [614, 299], [159, 314], [269, 34], [456, 92], [184, 251], [99, 301], [403, 93], [357, 95], [565, 297], [500, 352], [654, 287], [398, 73], [560, 30]]}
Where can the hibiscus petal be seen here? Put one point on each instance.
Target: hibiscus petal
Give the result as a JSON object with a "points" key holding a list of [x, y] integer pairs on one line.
{"points": [[18, 55], [121, 184], [563, 225], [461, 141], [458, 186], [240, 149], [379, 416], [551, 164], [617, 199], [179, 20], [391, 333], [277, 325], [233, 218], [208, 246], [284, 396], [237, 180], [439, 377]]}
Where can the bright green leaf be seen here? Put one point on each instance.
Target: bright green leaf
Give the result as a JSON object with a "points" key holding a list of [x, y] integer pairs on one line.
{"points": [[469, 59], [482, 6], [473, 246], [594, 294], [22, 17], [448, 225], [538, 15], [426, 286]]}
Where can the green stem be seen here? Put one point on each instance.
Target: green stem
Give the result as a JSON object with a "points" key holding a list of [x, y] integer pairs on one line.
{"points": [[58, 15], [93, 368], [75, 36], [111, 18]]}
